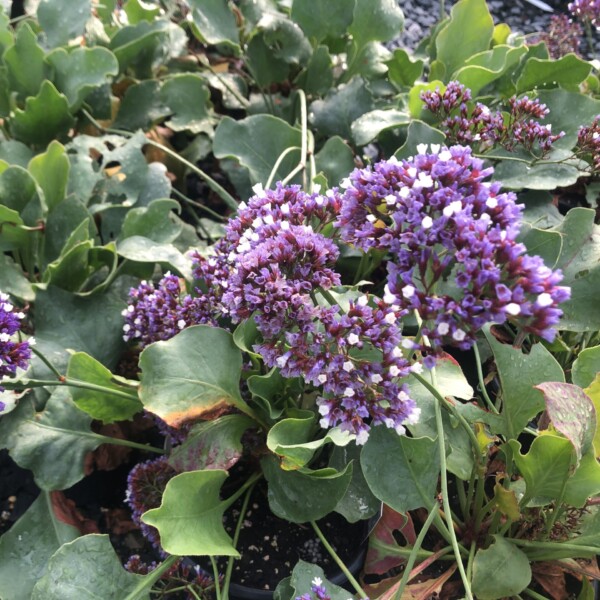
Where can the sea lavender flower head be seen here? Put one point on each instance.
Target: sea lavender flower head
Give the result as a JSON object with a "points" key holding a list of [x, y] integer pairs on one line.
{"points": [[439, 219], [281, 263], [160, 312], [586, 10], [588, 142], [14, 354], [562, 36]]}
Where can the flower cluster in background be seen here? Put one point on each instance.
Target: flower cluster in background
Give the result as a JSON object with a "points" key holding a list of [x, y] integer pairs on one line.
{"points": [[440, 221], [318, 589], [588, 142], [586, 10], [562, 37], [478, 125], [14, 354]]}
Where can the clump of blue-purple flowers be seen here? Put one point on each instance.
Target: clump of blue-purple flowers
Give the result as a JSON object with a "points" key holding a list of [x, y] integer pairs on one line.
{"points": [[318, 591], [476, 124], [437, 221], [586, 10], [14, 354]]}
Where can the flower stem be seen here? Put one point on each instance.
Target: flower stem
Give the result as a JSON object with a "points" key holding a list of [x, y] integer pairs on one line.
{"points": [[415, 550], [213, 562], [151, 578], [339, 561], [481, 379]]}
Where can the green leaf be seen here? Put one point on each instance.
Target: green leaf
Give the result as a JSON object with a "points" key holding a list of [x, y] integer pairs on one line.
{"points": [[368, 126], [419, 133], [25, 63], [500, 570], [190, 517], [141, 106], [407, 478], [271, 391], [46, 116], [155, 222], [317, 78], [541, 242], [334, 115], [585, 368], [211, 444], [192, 375], [63, 20], [26, 548], [585, 482], [471, 23], [484, 68], [335, 160], [359, 502], [403, 70], [79, 72], [13, 281], [302, 579], [214, 23], [284, 39], [141, 249], [51, 172], [257, 142], [52, 443], [87, 569], [376, 21], [12, 233], [293, 440], [566, 72], [137, 11], [90, 324], [71, 269], [15, 153], [519, 373], [99, 404], [188, 99], [580, 264], [572, 413], [320, 19], [593, 392], [18, 192], [302, 496], [265, 68]]}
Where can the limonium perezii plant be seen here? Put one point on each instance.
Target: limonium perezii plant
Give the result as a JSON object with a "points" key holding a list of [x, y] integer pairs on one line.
{"points": [[433, 215]]}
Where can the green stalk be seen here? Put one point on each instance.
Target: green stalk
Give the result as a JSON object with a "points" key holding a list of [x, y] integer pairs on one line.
{"points": [[278, 164], [415, 550], [151, 578], [213, 562], [339, 561], [236, 537], [480, 377]]}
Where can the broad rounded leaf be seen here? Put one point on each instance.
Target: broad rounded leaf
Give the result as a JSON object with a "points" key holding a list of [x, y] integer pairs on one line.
{"points": [[376, 21], [500, 570], [214, 23], [190, 518], [188, 99], [194, 375], [302, 496], [368, 126], [566, 72], [571, 412], [27, 547], [156, 221], [320, 19], [51, 172], [335, 160], [52, 443], [98, 404], [87, 569], [586, 366], [142, 249], [401, 471], [82, 70], [519, 175], [63, 20], [25, 63]]}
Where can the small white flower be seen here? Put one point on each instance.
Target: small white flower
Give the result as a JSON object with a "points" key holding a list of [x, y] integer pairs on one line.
{"points": [[390, 318], [32, 341], [362, 301], [285, 226], [285, 209], [445, 155], [394, 371], [404, 192], [411, 172], [416, 368], [268, 220], [257, 222], [513, 309], [427, 222], [281, 361], [459, 335], [348, 366], [371, 218], [407, 344], [353, 339], [422, 148], [4, 337], [126, 328], [181, 323], [349, 392], [425, 180], [414, 416], [408, 291], [544, 300], [491, 202], [376, 378], [452, 208], [317, 581], [443, 328], [324, 409], [258, 190], [403, 396], [390, 199], [322, 377], [362, 437], [242, 206], [435, 148], [316, 188], [345, 183]]}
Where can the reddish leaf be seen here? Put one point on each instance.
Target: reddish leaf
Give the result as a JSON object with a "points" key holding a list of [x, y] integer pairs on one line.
{"points": [[66, 512], [379, 558], [551, 576]]}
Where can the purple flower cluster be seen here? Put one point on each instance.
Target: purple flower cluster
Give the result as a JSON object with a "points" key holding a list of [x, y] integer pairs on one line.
{"points": [[440, 220], [160, 312], [478, 125], [13, 354], [281, 268], [586, 10], [146, 483], [562, 37], [588, 142]]}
